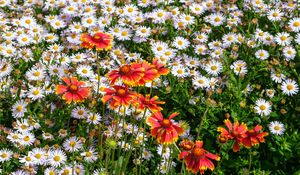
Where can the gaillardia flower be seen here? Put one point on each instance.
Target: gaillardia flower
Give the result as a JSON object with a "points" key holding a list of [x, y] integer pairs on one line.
{"points": [[118, 96], [74, 90], [127, 73], [236, 132], [101, 41], [165, 130], [144, 102], [254, 137], [196, 158], [150, 72]]}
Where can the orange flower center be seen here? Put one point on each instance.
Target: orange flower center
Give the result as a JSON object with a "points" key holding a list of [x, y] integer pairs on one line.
{"points": [[198, 152], [166, 122], [121, 92], [235, 133], [296, 24], [290, 87], [98, 38], [73, 88], [262, 107], [125, 69]]}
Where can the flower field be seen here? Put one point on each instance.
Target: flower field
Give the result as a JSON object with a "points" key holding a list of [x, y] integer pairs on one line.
{"points": [[123, 87]]}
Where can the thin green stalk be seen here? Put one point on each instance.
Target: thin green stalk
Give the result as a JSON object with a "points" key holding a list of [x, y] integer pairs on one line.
{"points": [[106, 158], [202, 120], [73, 164], [182, 167], [250, 160]]}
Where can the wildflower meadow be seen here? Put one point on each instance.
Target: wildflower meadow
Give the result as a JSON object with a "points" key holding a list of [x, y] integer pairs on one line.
{"points": [[149, 87]]}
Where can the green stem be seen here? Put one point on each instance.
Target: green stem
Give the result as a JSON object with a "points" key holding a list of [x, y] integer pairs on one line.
{"points": [[250, 159], [73, 163], [202, 120]]}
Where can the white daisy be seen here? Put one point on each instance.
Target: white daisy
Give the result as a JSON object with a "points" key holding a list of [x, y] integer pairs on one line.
{"points": [[277, 76], [89, 21], [85, 71], [200, 82], [72, 144], [35, 93], [50, 171], [143, 31], [79, 112], [262, 107], [26, 139], [239, 67], [275, 15], [262, 54], [289, 53], [289, 87], [93, 118], [124, 34], [24, 40], [294, 24], [181, 43], [26, 160], [90, 155], [58, 24], [146, 154], [283, 39], [19, 109], [179, 71], [35, 73], [5, 154], [5, 68], [163, 151], [201, 49], [276, 127], [56, 158], [38, 155], [215, 19], [213, 67]]}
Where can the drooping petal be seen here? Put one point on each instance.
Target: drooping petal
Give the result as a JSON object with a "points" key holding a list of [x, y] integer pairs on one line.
{"points": [[212, 156]]}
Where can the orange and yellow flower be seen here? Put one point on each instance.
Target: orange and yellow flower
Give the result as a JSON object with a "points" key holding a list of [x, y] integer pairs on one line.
{"points": [[150, 73], [137, 74], [236, 132], [127, 73], [254, 137], [163, 129], [118, 96], [74, 90], [101, 41], [196, 158], [144, 102]]}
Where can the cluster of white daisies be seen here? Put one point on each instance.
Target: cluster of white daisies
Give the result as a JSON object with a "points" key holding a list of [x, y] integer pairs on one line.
{"points": [[200, 41]]}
